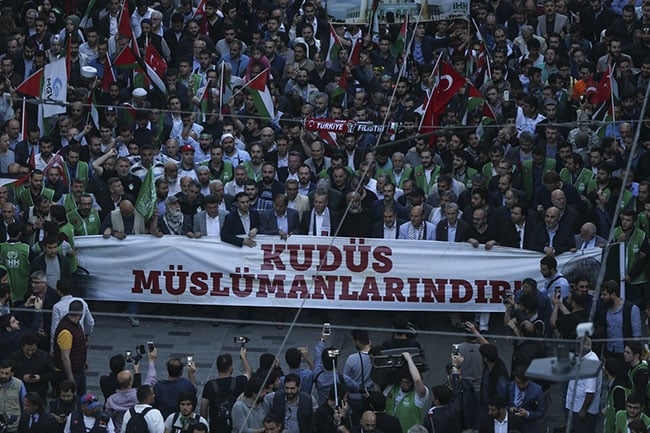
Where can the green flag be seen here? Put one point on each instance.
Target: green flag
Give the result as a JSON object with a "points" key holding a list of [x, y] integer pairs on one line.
{"points": [[146, 201]]}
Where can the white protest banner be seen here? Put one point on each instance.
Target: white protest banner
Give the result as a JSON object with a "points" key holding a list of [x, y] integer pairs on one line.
{"points": [[352, 273], [55, 87], [448, 9]]}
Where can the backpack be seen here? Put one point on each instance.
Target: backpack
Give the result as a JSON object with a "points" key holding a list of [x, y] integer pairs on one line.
{"points": [[137, 423], [221, 410]]}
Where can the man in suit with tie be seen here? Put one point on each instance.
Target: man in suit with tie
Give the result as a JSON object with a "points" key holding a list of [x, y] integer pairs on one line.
{"points": [[526, 401], [35, 419], [209, 222], [587, 238], [452, 228], [280, 220], [241, 221]]}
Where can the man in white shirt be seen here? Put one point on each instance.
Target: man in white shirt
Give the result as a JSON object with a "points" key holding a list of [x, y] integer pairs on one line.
{"points": [[60, 309], [583, 395], [152, 416], [209, 221]]}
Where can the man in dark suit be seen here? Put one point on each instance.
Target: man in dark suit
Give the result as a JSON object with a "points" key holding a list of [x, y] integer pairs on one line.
{"points": [[280, 220], [388, 227], [440, 417], [522, 225], [498, 413], [452, 224], [49, 297], [526, 401], [321, 221], [242, 221], [35, 419], [562, 236], [386, 423]]}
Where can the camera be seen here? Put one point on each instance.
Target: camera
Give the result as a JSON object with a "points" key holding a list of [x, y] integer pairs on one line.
{"points": [[455, 351], [241, 340], [333, 353], [190, 360], [327, 329], [150, 346], [128, 356], [558, 292]]}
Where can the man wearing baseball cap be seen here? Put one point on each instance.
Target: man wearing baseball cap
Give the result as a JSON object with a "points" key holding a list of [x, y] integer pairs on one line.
{"points": [[91, 418]]}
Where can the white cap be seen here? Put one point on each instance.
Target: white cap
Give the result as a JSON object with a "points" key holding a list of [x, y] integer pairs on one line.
{"points": [[227, 135], [88, 72], [139, 92]]}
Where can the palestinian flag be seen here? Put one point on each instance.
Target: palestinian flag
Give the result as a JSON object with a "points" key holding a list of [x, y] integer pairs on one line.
{"points": [[261, 95], [334, 46], [400, 44]]}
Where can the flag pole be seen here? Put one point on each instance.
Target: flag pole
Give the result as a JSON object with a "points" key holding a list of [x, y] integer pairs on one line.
{"points": [[435, 69], [248, 83], [221, 78], [610, 71]]}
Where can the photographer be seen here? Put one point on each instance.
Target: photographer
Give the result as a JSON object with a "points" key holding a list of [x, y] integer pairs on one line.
{"points": [[126, 395], [185, 419], [168, 390], [324, 370], [524, 322], [463, 402], [410, 399], [334, 416], [565, 321]]}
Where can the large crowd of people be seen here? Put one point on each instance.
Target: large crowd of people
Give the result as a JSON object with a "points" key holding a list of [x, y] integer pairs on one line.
{"points": [[560, 132]]}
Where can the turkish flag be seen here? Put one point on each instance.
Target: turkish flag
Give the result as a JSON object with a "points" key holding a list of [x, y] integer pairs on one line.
{"points": [[155, 60], [604, 90], [449, 83]]}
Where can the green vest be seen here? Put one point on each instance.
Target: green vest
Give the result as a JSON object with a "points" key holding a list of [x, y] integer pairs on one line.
{"points": [[582, 181], [226, 172], [621, 421], [84, 226], [25, 198], [406, 410], [421, 179], [68, 231], [469, 175], [643, 223], [250, 171], [633, 246], [610, 410], [487, 170], [81, 173], [15, 256], [527, 174]]}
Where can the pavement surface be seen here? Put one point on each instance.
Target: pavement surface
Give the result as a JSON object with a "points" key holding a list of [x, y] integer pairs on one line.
{"points": [[192, 333]]}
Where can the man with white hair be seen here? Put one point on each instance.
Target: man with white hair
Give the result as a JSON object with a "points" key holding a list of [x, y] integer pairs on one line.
{"points": [[587, 238]]}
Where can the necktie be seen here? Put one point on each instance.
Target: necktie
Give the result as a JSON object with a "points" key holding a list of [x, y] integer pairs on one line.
{"points": [[520, 399]]}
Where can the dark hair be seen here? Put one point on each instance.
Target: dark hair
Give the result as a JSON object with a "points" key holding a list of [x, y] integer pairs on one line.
{"points": [[490, 352], [293, 357], [292, 377], [144, 392], [360, 335], [117, 363], [442, 393], [187, 396], [174, 367], [224, 362]]}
